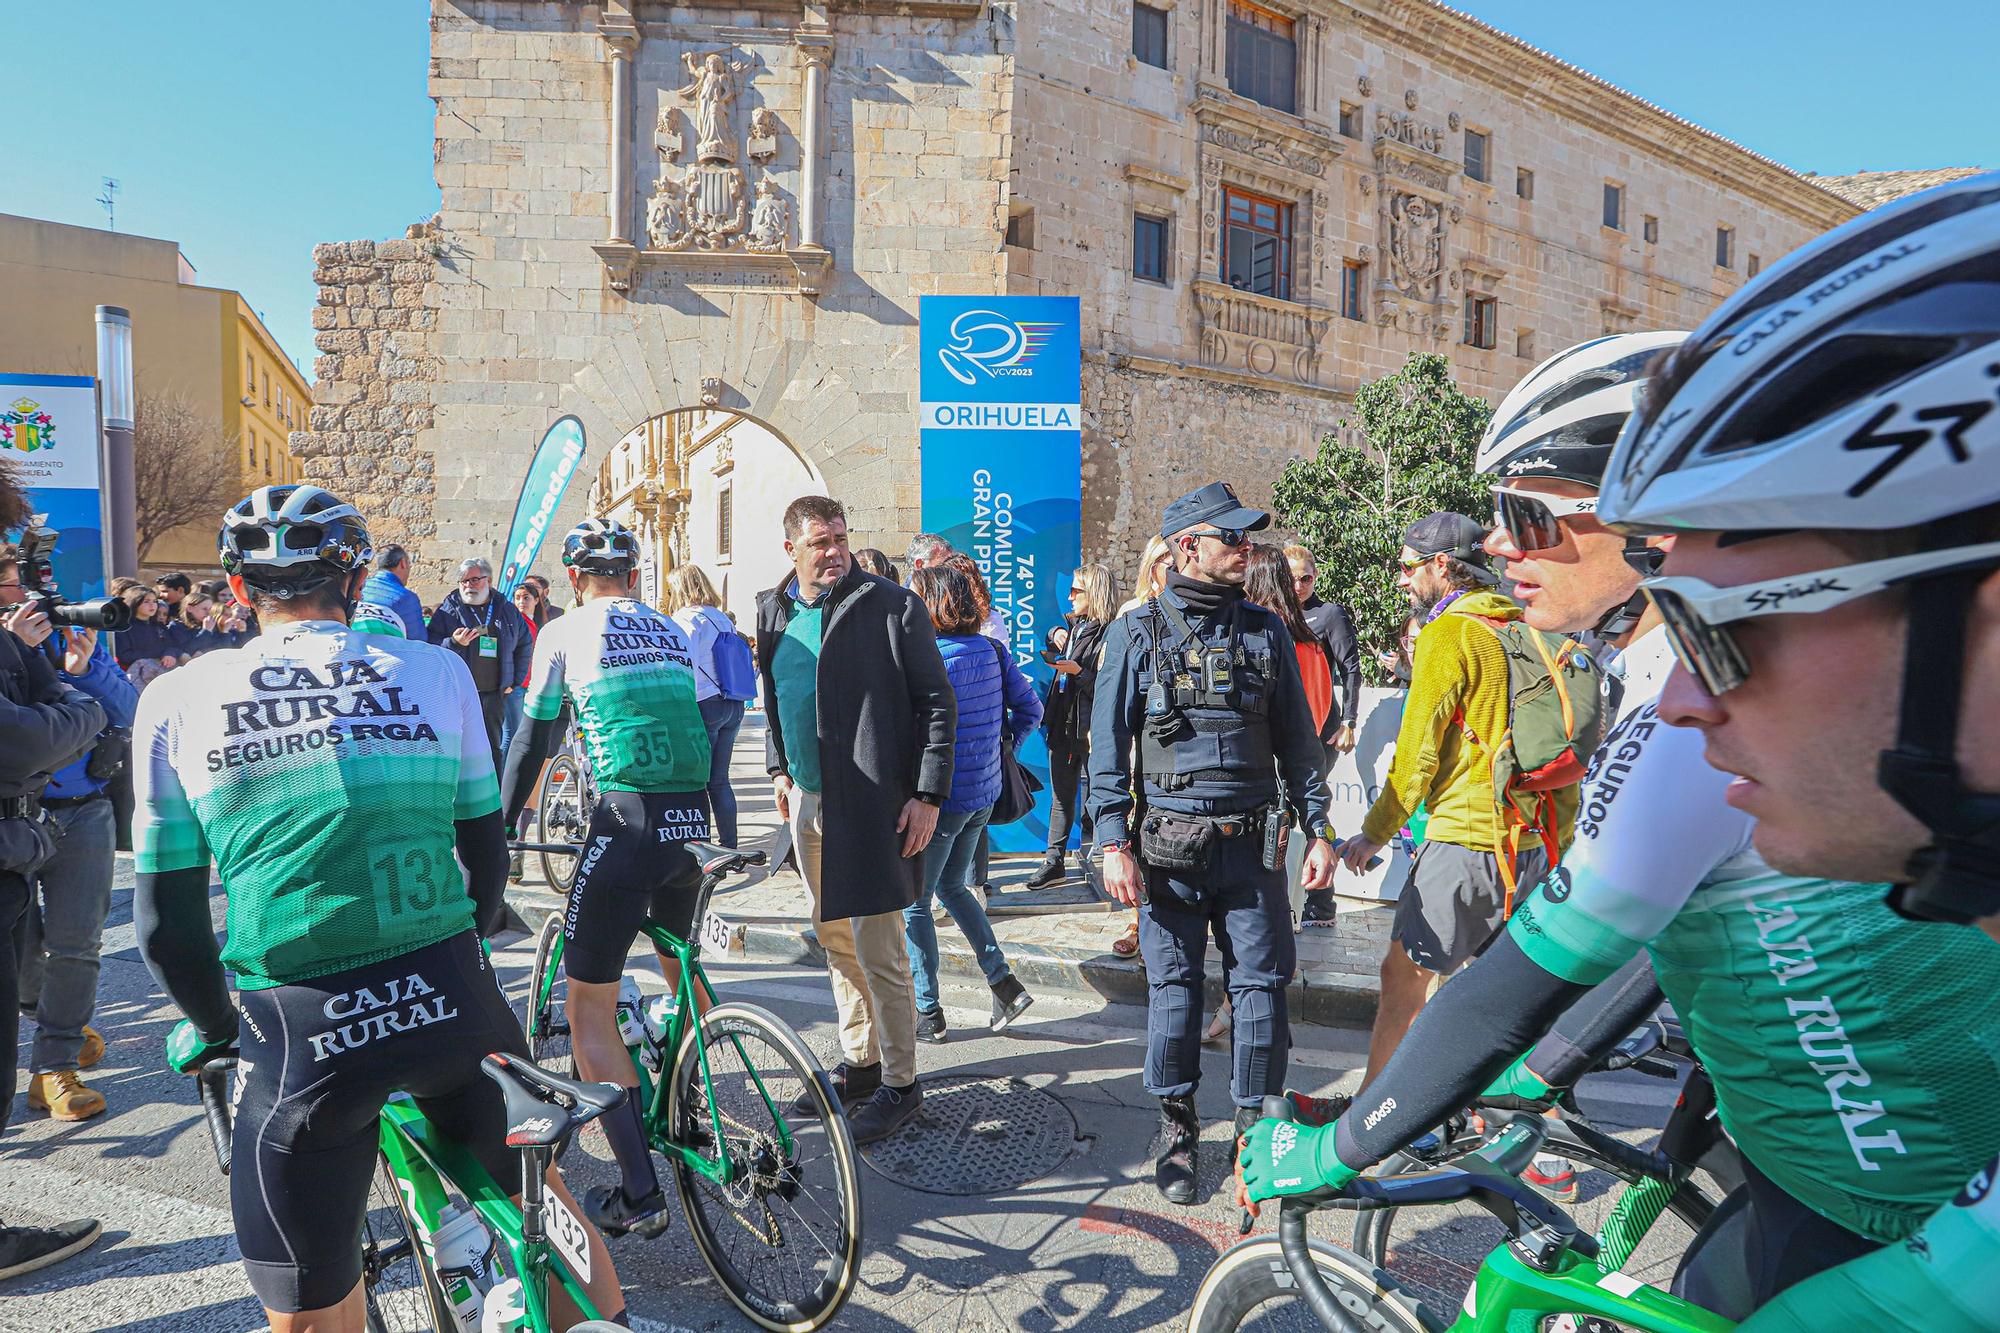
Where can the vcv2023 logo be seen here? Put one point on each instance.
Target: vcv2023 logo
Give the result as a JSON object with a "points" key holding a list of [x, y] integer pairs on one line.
{"points": [[985, 343]]}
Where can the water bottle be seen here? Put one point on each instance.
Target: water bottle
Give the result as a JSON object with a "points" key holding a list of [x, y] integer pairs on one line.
{"points": [[631, 1025], [659, 1017], [462, 1255], [506, 1308]]}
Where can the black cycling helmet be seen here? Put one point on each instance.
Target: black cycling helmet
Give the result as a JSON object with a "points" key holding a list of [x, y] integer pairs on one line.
{"points": [[600, 546], [284, 541]]}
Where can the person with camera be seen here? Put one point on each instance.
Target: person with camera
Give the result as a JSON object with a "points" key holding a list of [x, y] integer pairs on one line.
{"points": [[45, 724], [62, 926], [1207, 684]]}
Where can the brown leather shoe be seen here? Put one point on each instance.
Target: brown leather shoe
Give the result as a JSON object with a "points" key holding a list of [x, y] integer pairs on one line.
{"points": [[64, 1095], [93, 1048]]}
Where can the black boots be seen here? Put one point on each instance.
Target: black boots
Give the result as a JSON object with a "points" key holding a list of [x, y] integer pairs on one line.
{"points": [[1177, 1167], [1050, 872]]}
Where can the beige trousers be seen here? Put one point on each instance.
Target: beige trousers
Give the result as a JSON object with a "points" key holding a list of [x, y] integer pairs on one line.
{"points": [[869, 964]]}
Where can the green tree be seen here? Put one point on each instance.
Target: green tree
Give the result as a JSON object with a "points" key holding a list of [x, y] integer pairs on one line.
{"points": [[1351, 503]]}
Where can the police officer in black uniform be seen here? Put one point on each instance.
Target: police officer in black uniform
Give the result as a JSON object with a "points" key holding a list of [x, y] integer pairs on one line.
{"points": [[1207, 686]]}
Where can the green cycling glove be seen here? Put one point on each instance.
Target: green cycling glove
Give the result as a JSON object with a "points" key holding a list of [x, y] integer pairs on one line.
{"points": [[1518, 1081], [1281, 1157], [188, 1050]]}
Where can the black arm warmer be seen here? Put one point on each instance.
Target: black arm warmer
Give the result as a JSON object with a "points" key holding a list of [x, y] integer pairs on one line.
{"points": [[482, 847], [1593, 1025], [1471, 1030], [525, 757], [177, 942]]}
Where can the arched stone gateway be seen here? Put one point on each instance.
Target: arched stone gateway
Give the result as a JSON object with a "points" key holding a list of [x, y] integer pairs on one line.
{"points": [[648, 207]]}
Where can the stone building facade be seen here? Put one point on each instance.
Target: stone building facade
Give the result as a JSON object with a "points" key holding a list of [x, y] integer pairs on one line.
{"points": [[652, 207]]}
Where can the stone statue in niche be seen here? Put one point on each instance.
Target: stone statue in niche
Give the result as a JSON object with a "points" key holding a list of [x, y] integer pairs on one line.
{"points": [[763, 135], [712, 87], [1416, 245], [667, 134], [666, 219], [768, 229]]}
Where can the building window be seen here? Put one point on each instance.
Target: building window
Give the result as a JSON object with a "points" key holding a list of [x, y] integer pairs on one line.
{"points": [[267, 458], [1149, 248], [1725, 247], [1482, 321], [1752, 267], [250, 444], [725, 522], [1354, 290], [1652, 230], [1149, 34], [1479, 155], [249, 374], [1524, 182], [1257, 244], [1614, 206], [1021, 228], [1350, 121], [1524, 344], [267, 388], [1263, 60]]}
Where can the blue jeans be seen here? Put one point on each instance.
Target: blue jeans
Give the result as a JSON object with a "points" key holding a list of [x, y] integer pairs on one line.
{"points": [[62, 931], [510, 720], [946, 860], [723, 718]]}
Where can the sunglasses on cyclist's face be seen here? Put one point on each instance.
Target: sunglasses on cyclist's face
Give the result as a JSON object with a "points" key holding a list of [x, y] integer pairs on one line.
{"points": [[1227, 536], [1697, 614], [1533, 520]]}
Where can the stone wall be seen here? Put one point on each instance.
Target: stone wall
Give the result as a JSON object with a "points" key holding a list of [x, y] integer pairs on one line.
{"points": [[377, 379]]}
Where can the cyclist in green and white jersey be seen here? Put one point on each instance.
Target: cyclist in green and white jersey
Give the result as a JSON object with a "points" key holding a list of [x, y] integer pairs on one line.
{"points": [[342, 785], [628, 674], [1827, 446], [1853, 1052]]}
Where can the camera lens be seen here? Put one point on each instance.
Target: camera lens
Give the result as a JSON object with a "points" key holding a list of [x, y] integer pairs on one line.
{"points": [[99, 613]]}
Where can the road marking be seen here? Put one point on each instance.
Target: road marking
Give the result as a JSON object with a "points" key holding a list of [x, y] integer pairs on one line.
{"points": [[1180, 1232]]}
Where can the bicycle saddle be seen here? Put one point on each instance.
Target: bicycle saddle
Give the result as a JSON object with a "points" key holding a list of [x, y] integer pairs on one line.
{"points": [[543, 1108], [716, 860]]}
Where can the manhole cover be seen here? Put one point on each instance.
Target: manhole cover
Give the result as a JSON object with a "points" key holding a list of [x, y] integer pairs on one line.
{"points": [[976, 1136]]}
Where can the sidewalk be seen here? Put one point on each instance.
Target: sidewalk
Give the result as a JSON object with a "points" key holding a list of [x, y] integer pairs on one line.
{"points": [[1057, 939]]}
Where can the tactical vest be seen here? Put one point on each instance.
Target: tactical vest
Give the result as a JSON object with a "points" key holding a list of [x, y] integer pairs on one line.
{"points": [[1207, 696]]}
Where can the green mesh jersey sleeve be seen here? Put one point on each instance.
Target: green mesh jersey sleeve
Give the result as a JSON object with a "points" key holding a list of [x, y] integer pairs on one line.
{"points": [[478, 784], [1651, 826], [545, 681], [165, 833]]}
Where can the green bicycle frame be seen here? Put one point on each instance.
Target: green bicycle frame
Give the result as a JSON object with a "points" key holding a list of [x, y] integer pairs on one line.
{"points": [[421, 1159], [653, 1095], [1509, 1295]]}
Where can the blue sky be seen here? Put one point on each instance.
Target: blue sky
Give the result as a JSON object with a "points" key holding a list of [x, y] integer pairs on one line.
{"points": [[250, 131]]}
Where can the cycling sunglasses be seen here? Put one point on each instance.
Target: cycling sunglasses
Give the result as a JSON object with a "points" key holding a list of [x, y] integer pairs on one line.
{"points": [[1697, 614], [1534, 521]]}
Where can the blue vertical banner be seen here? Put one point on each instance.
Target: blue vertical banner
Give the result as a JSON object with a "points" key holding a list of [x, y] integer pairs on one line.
{"points": [[550, 470], [1000, 431]]}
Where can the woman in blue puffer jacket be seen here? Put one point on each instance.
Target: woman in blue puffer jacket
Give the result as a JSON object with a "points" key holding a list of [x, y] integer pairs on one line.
{"points": [[993, 696]]}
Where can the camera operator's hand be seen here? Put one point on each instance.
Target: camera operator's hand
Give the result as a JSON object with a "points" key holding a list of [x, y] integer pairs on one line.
{"points": [[30, 624], [78, 645]]}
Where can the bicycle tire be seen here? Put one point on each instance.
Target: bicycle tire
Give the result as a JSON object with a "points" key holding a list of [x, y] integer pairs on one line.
{"points": [[1438, 1267], [560, 817], [719, 1214], [1251, 1286], [399, 1292]]}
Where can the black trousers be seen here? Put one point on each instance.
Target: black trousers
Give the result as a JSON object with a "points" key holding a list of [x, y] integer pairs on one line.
{"points": [[15, 894], [1067, 758], [493, 711]]}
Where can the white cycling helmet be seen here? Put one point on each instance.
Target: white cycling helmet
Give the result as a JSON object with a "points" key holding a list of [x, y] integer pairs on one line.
{"points": [[287, 540], [1851, 386], [600, 546], [1562, 419]]}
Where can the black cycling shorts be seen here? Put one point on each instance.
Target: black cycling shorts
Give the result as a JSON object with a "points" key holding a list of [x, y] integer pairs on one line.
{"points": [[1759, 1242], [636, 868], [320, 1057]]}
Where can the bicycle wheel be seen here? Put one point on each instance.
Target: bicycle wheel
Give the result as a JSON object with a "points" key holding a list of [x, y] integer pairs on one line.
{"points": [[1434, 1250], [545, 1019], [560, 817], [783, 1238], [398, 1292], [1251, 1286]]}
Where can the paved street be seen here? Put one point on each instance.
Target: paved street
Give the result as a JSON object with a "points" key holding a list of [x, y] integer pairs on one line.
{"points": [[1086, 1244]]}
